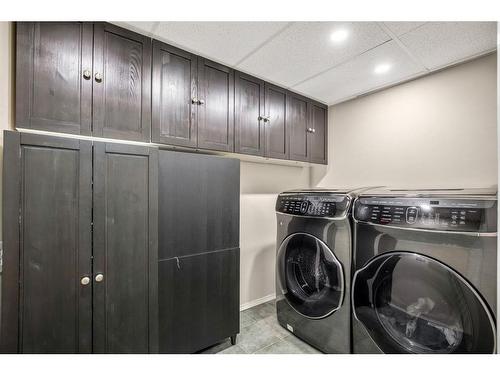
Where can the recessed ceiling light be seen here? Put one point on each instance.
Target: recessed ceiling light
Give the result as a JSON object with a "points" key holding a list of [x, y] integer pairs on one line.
{"points": [[382, 68], [339, 36]]}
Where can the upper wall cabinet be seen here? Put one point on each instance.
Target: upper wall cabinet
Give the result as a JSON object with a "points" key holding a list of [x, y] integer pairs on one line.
{"points": [[307, 129], [99, 79], [175, 107], [215, 106], [249, 113], [122, 83], [275, 123], [193, 100], [297, 120], [53, 76], [317, 133], [62, 68], [260, 118]]}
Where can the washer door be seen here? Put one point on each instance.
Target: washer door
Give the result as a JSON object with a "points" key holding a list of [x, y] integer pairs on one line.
{"points": [[311, 277], [410, 303]]}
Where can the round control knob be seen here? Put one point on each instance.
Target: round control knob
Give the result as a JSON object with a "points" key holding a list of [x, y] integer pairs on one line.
{"points": [[304, 206]]}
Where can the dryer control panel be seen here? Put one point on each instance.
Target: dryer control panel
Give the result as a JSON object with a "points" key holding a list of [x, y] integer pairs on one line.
{"points": [[437, 214], [312, 205]]}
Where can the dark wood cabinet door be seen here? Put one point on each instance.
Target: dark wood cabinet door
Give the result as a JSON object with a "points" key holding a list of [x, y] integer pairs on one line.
{"points": [[275, 128], [174, 119], [198, 300], [297, 121], [249, 110], [216, 108], [122, 92], [199, 204], [52, 92], [125, 248], [319, 138], [47, 203]]}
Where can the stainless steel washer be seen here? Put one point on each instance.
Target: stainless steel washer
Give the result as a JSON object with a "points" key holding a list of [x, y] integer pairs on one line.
{"points": [[313, 266], [425, 271]]}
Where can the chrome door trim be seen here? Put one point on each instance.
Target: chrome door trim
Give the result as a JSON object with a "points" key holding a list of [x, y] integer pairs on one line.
{"points": [[472, 234], [439, 263], [337, 261]]}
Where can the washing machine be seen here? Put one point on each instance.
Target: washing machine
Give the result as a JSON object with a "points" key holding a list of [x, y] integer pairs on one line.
{"points": [[313, 265], [425, 277]]}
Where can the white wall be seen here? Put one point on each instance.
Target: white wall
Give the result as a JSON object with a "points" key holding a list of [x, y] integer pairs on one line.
{"points": [[260, 185], [436, 131]]}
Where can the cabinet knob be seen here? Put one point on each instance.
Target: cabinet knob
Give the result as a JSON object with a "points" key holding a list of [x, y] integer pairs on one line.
{"points": [[98, 77], [85, 280], [194, 101], [201, 102], [267, 119], [86, 74], [99, 277], [310, 130]]}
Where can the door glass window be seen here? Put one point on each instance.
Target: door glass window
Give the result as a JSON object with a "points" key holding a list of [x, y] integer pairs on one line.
{"points": [[411, 303], [310, 275]]}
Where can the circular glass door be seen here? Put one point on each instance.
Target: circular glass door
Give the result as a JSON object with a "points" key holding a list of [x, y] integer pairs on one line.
{"points": [[310, 276], [410, 303]]}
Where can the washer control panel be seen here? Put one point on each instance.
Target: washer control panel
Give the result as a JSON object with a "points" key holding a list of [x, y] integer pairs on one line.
{"points": [[312, 205], [438, 214]]}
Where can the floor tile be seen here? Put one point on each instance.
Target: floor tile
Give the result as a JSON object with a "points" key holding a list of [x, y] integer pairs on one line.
{"points": [[262, 311], [278, 329], [281, 347], [217, 347], [247, 317], [256, 336], [234, 349], [303, 347]]}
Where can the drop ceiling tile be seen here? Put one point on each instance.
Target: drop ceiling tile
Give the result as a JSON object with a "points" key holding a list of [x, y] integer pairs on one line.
{"points": [[400, 28], [357, 76], [226, 42], [305, 49], [437, 44], [139, 27]]}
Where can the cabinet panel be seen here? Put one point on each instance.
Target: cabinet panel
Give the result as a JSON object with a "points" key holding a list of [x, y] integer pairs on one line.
{"points": [[51, 91], [53, 311], [318, 140], [174, 86], [122, 98], [198, 300], [297, 123], [199, 204], [249, 107], [275, 128], [215, 112], [124, 248]]}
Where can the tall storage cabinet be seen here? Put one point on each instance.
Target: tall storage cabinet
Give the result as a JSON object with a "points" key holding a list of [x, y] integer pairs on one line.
{"points": [[198, 251], [61, 293]]}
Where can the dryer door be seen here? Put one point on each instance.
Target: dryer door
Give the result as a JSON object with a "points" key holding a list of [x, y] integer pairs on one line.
{"points": [[310, 276], [410, 303]]}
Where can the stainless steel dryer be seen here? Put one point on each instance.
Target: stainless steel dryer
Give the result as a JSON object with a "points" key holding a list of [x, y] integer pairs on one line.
{"points": [[425, 271], [313, 266]]}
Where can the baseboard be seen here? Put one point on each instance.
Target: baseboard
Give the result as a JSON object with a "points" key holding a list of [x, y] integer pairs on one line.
{"points": [[257, 301]]}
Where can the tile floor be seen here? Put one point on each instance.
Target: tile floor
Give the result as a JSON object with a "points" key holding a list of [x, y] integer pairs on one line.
{"points": [[260, 333]]}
